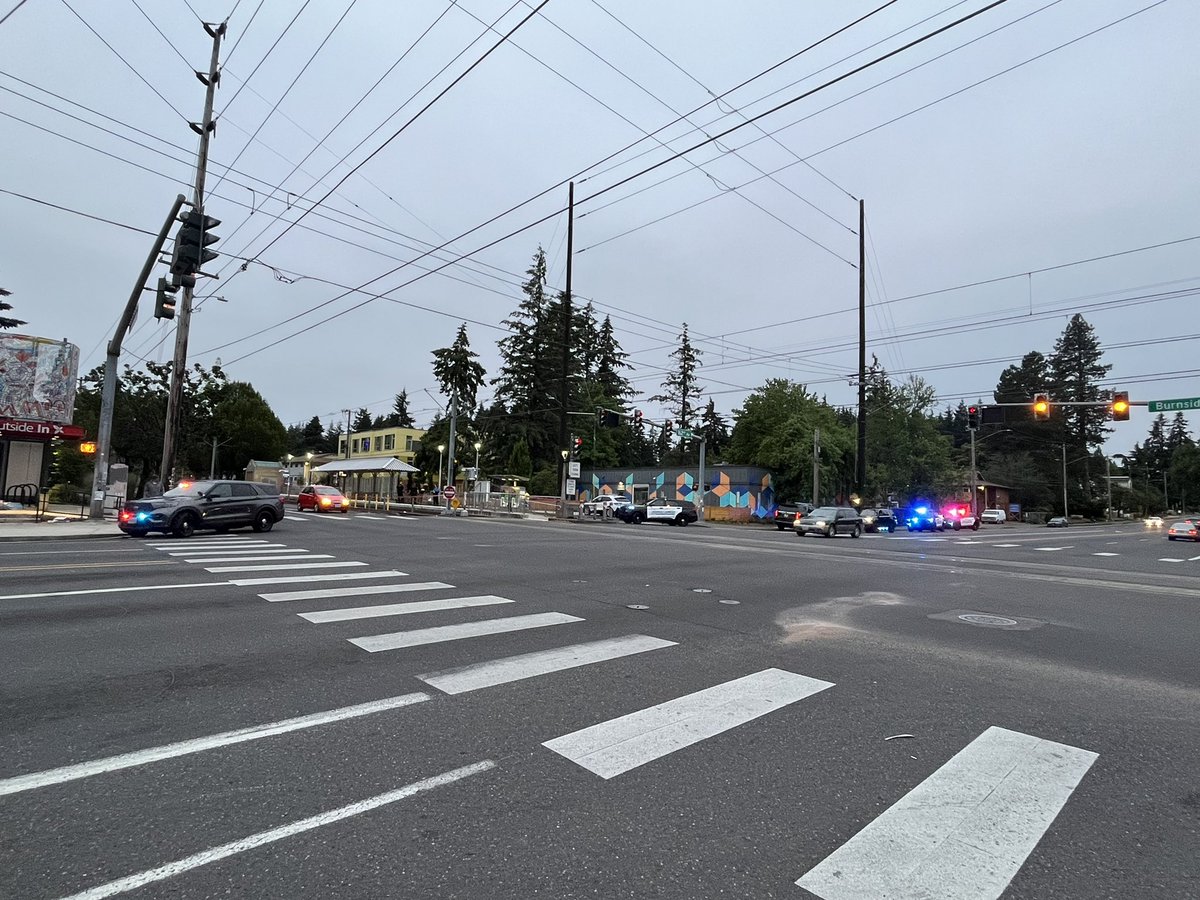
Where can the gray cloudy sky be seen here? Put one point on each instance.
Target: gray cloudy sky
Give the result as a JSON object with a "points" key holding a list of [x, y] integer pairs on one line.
{"points": [[1086, 151]]}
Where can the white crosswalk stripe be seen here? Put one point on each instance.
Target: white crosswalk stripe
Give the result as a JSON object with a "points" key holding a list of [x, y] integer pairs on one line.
{"points": [[542, 662], [265, 548], [400, 609], [401, 639], [618, 745], [298, 555], [330, 593], [289, 566], [962, 833], [305, 578]]}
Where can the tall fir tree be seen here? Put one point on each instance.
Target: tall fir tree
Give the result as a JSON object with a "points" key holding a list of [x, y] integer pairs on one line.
{"points": [[314, 435], [458, 371], [681, 391], [363, 420], [400, 417], [6, 322], [1178, 436], [610, 366], [1075, 372], [715, 431]]}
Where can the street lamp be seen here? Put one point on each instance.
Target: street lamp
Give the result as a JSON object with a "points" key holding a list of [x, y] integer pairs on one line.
{"points": [[441, 450], [563, 503], [478, 445], [308, 466]]}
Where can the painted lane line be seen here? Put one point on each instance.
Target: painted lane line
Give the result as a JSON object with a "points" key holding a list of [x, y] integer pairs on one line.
{"points": [[963, 832], [298, 556], [179, 543], [215, 854], [1106, 554], [621, 744], [1006, 545], [331, 593], [114, 590], [317, 565], [207, 551], [367, 516], [339, 576], [530, 665], [400, 639], [1051, 549], [1193, 558], [1171, 559], [197, 745], [401, 609]]}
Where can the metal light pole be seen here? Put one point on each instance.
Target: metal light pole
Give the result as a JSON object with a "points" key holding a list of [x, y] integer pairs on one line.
{"points": [[1066, 515], [441, 451], [562, 509], [1108, 479]]}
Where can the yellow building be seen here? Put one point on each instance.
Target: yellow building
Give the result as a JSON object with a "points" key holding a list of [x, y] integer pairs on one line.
{"points": [[401, 443]]}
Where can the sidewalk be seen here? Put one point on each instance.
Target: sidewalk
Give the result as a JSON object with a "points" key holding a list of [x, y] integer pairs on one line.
{"points": [[57, 522]]}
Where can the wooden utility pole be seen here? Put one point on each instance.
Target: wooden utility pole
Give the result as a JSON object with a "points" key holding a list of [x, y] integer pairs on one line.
{"points": [[860, 468], [565, 387], [179, 361]]}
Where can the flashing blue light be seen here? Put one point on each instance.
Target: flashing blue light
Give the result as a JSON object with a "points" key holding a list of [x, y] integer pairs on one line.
{"points": [[922, 509], [142, 516]]}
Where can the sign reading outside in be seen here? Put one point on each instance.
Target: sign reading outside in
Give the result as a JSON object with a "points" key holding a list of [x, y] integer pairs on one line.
{"points": [[1174, 405]]}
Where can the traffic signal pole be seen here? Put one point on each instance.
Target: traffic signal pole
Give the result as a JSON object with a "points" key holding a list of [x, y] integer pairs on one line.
{"points": [[108, 394], [179, 361], [565, 388], [860, 467]]}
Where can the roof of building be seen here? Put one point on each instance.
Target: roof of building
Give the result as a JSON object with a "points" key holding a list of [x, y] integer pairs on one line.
{"points": [[367, 464], [264, 464]]}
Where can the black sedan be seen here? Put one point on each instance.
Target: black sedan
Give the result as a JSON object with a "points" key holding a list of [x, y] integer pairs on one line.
{"points": [[830, 521]]}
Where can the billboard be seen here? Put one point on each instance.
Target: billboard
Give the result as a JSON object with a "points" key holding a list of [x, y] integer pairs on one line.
{"points": [[37, 378]]}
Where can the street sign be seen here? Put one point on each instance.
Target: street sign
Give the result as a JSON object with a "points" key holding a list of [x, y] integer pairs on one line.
{"points": [[449, 492], [1174, 405], [570, 487], [686, 433], [573, 469]]}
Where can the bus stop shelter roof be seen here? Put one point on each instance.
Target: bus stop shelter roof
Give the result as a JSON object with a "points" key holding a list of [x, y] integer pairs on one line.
{"points": [[367, 464]]}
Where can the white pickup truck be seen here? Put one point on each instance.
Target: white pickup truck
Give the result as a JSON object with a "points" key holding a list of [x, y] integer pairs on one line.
{"points": [[603, 505]]}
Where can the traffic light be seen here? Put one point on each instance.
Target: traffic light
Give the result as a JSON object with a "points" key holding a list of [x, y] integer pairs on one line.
{"points": [[668, 425], [576, 445], [1041, 407], [637, 418], [1120, 406], [973, 418], [191, 243], [164, 301]]}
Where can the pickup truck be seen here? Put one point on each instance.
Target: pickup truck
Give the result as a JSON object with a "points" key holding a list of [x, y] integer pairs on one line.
{"points": [[604, 505]]}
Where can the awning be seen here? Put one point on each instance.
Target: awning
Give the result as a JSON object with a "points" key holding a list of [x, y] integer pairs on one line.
{"points": [[367, 464]]}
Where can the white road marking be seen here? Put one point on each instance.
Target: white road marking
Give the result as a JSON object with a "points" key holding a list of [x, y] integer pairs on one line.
{"points": [[1006, 545], [1193, 558], [530, 665], [618, 745], [401, 609], [185, 544], [113, 590], [421, 636], [368, 516], [197, 745], [265, 548], [215, 854], [969, 542], [1170, 559], [330, 593], [965, 831], [318, 565], [340, 576], [1106, 554], [297, 556], [1051, 549]]}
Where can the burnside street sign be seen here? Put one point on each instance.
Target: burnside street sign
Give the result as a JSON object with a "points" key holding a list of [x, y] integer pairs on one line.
{"points": [[1174, 405]]}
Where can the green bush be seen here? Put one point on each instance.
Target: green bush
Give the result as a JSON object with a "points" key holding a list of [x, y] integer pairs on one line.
{"points": [[65, 493]]}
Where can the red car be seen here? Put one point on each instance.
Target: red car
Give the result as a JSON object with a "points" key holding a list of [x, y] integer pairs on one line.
{"points": [[322, 498]]}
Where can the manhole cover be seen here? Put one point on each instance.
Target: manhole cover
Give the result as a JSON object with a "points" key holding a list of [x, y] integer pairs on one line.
{"points": [[730, 602], [636, 606], [984, 619], [701, 590]]}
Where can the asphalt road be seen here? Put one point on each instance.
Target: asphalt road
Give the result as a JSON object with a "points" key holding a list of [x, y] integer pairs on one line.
{"points": [[600, 710]]}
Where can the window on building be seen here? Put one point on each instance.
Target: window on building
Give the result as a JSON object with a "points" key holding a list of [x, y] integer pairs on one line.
{"points": [[389, 442], [408, 443], [366, 445], [378, 443]]}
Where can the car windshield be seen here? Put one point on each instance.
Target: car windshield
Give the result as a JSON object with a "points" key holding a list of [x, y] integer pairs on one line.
{"points": [[825, 512], [332, 492], [190, 489]]}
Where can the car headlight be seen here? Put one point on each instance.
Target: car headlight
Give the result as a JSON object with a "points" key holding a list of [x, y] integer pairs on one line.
{"points": [[868, 519], [819, 523]]}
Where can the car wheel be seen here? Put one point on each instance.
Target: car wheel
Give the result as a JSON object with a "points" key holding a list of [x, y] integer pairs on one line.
{"points": [[856, 532], [185, 525], [681, 521], [957, 526], [1170, 537], [638, 519], [780, 527], [975, 526], [830, 531], [264, 521]]}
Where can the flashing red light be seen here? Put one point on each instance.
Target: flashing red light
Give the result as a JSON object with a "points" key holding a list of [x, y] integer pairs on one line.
{"points": [[126, 515]]}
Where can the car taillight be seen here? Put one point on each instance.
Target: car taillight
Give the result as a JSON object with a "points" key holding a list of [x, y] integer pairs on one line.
{"points": [[126, 515]]}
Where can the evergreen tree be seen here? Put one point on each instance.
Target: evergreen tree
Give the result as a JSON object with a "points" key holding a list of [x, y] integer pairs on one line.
{"points": [[314, 435], [714, 430], [610, 363], [458, 370], [1178, 435], [362, 420], [333, 436], [519, 462], [1154, 453], [295, 439], [5, 322], [400, 417], [1075, 370], [680, 389]]}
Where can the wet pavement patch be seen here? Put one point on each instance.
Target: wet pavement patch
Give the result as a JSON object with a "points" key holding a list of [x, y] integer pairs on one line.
{"points": [[988, 620]]}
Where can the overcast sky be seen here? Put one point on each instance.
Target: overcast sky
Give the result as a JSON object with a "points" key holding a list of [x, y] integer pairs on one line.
{"points": [[1087, 150]]}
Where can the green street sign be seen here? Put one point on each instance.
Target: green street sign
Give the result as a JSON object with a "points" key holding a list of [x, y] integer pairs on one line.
{"points": [[1174, 405], [686, 433]]}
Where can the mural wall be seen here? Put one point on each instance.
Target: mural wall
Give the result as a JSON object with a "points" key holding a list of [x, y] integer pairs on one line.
{"points": [[735, 493], [37, 378]]}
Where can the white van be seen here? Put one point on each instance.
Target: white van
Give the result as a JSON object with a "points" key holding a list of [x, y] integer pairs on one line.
{"points": [[993, 517]]}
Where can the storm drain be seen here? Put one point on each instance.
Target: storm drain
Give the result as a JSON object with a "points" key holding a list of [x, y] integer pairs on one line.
{"points": [[988, 620]]}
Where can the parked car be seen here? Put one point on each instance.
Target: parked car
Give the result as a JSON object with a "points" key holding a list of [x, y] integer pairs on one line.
{"points": [[673, 512], [322, 498], [1058, 522], [830, 521], [604, 505], [1187, 529], [1154, 522], [881, 519], [993, 517], [786, 514], [203, 505]]}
